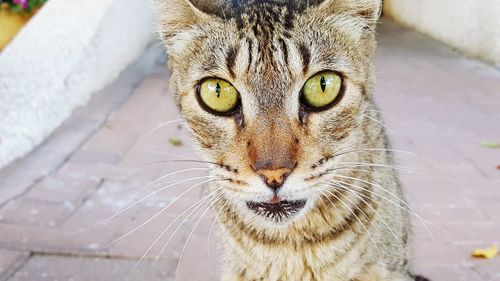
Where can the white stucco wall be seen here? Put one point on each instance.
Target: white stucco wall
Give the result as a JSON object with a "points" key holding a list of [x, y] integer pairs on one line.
{"points": [[68, 51], [472, 26]]}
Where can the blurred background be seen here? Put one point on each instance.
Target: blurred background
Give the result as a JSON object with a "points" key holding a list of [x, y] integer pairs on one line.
{"points": [[88, 127]]}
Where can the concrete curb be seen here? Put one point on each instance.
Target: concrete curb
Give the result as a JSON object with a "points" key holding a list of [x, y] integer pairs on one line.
{"points": [[68, 51], [469, 26]]}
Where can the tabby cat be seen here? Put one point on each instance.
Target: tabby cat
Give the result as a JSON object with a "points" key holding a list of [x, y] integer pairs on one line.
{"points": [[278, 96]]}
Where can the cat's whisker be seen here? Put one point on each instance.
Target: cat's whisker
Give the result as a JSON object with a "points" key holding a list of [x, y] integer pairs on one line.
{"points": [[196, 205], [161, 178], [334, 206], [377, 174], [160, 212], [343, 151], [213, 225], [171, 184], [374, 185], [159, 127], [374, 150], [372, 29], [376, 194], [382, 197], [411, 212], [370, 222], [374, 173], [173, 155], [187, 159], [127, 206], [190, 234], [224, 13], [380, 123], [149, 196], [190, 218], [357, 218], [373, 110], [388, 166], [354, 168], [395, 196], [186, 155], [164, 247], [178, 161], [163, 233], [358, 194], [339, 151]]}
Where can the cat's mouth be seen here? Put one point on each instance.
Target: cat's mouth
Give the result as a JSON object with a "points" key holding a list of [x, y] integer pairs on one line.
{"points": [[279, 211]]}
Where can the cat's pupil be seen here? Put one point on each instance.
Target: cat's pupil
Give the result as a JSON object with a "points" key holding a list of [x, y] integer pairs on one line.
{"points": [[323, 84], [217, 90]]}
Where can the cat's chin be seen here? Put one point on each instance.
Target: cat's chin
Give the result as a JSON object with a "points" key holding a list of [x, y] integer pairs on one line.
{"points": [[279, 213]]}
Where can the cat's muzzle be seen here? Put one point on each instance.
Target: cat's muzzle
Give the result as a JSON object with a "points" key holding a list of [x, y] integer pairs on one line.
{"points": [[278, 212]]}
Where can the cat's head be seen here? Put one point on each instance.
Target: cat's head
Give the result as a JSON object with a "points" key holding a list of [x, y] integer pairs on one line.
{"points": [[272, 91]]}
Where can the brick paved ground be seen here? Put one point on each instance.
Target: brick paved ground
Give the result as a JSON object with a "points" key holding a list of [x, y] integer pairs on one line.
{"points": [[54, 204]]}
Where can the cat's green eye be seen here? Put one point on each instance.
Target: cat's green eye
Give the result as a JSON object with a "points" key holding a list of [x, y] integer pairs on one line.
{"points": [[218, 95], [321, 90]]}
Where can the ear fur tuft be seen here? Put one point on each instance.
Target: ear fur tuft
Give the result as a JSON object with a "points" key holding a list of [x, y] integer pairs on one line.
{"points": [[367, 10], [176, 16]]}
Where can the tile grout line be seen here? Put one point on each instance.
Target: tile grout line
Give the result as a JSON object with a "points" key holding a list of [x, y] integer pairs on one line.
{"points": [[18, 264]]}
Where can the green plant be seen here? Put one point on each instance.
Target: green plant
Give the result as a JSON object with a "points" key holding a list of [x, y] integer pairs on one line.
{"points": [[23, 5]]}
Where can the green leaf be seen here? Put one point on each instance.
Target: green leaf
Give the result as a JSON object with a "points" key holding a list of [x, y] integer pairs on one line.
{"points": [[489, 144], [16, 8], [175, 141]]}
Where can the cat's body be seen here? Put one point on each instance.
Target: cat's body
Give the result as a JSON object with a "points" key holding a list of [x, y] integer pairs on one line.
{"points": [[304, 189]]}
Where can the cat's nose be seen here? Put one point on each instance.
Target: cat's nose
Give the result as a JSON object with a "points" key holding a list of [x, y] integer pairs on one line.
{"points": [[274, 178]]}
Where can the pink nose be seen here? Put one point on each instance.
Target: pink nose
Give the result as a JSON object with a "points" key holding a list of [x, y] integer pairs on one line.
{"points": [[274, 178]]}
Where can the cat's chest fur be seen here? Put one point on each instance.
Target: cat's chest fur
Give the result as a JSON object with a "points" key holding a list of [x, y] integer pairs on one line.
{"points": [[309, 263]]}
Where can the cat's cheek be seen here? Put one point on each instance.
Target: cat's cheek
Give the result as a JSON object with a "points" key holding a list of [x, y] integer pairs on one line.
{"points": [[215, 135]]}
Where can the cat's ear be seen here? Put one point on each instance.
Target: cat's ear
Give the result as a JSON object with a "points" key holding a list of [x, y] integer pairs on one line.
{"points": [[176, 17], [367, 11]]}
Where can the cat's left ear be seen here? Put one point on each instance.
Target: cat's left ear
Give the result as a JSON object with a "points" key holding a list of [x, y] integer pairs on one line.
{"points": [[367, 11], [177, 17]]}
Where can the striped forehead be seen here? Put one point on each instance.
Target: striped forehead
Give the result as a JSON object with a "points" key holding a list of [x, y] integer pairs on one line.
{"points": [[262, 55], [267, 59], [269, 69]]}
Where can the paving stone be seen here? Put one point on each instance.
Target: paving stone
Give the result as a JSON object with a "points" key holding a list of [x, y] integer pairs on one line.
{"points": [[96, 171], [473, 233], [488, 268], [96, 269], [433, 245], [111, 141], [447, 192], [60, 188], [34, 212], [484, 159], [460, 272], [442, 213], [486, 200], [10, 261], [201, 251], [55, 240]]}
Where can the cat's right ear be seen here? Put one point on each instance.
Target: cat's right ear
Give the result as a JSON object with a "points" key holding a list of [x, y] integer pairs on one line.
{"points": [[365, 13], [177, 17]]}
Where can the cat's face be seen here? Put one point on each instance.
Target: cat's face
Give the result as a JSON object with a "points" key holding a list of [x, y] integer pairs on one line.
{"points": [[272, 92]]}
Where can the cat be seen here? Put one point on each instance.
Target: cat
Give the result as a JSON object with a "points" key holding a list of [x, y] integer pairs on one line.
{"points": [[278, 96]]}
